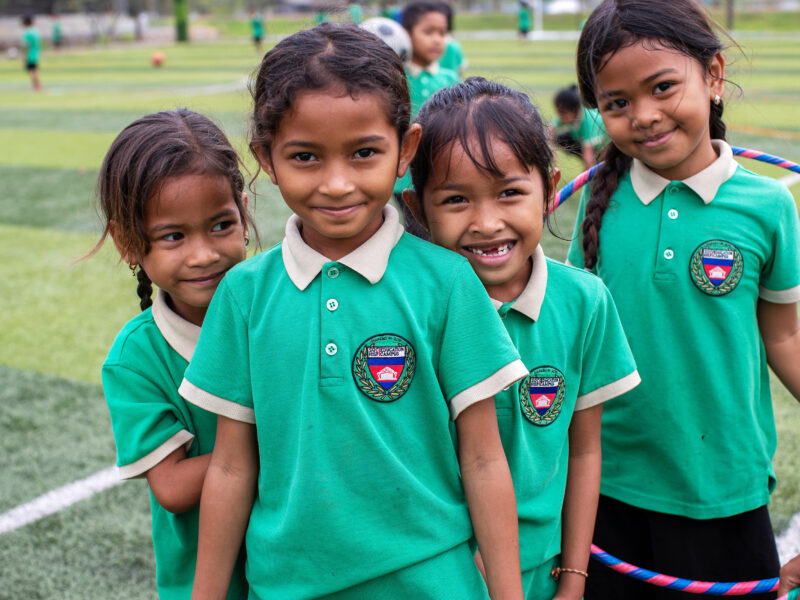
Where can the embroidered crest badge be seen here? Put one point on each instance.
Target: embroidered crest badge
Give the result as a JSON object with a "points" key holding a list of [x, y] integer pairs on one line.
{"points": [[384, 366], [716, 267], [541, 394]]}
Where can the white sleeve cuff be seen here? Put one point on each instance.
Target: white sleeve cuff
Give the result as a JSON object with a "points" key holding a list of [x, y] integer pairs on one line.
{"points": [[498, 381], [144, 464], [608, 391], [215, 404], [780, 296]]}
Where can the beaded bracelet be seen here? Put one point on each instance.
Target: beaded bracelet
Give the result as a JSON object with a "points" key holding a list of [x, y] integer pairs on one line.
{"points": [[557, 571]]}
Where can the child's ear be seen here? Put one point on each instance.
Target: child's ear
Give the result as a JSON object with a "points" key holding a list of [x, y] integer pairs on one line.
{"points": [[265, 161], [128, 255], [414, 204], [408, 148], [716, 75]]}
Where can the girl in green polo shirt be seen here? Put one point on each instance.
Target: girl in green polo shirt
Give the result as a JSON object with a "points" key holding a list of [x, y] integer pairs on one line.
{"points": [[339, 360], [702, 259], [173, 200], [484, 179]]}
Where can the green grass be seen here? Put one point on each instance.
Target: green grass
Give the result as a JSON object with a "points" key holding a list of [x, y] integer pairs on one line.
{"points": [[60, 316]]}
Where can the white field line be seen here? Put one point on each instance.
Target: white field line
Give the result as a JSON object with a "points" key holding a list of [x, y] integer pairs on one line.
{"points": [[790, 179], [58, 499]]}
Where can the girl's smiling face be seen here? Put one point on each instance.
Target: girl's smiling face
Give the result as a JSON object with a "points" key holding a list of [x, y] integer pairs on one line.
{"points": [[495, 222], [655, 104], [196, 235], [335, 158]]}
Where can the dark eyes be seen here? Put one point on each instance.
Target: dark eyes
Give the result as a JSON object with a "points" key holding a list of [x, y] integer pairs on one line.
{"points": [[364, 153], [662, 87], [222, 226]]}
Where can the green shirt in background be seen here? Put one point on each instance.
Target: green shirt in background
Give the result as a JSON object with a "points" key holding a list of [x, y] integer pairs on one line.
{"points": [[686, 263], [453, 57], [257, 27], [32, 41], [588, 129], [141, 375]]}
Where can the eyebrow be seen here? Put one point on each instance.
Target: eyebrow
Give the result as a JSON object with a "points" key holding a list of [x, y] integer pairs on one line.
{"points": [[228, 212], [647, 79], [367, 139], [456, 187]]}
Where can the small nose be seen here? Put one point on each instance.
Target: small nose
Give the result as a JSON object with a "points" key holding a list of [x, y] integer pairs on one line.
{"points": [[202, 252], [486, 220], [644, 114], [337, 181]]}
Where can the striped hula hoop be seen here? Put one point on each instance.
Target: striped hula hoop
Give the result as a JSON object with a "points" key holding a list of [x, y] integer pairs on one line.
{"points": [[586, 176]]}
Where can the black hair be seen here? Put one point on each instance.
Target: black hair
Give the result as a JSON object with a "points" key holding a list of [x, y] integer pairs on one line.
{"points": [[679, 25], [27, 20], [329, 55], [477, 110], [568, 99], [447, 9], [414, 11], [143, 156]]}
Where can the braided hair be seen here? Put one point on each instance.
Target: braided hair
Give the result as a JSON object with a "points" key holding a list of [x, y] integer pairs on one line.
{"points": [[679, 25]]}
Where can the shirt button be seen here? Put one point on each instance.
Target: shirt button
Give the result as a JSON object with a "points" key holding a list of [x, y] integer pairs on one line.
{"points": [[332, 304], [672, 190], [673, 214], [333, 272], [331, 349], [668, 254]]}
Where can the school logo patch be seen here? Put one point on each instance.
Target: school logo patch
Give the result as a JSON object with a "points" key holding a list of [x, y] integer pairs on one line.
{"points": [[541, 394], [716, 267], [384, 366]]}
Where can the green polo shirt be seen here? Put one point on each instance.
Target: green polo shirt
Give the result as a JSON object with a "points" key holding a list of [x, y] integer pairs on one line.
{"points": [[351, 371], [422, 84], [32, 42], [150, 420], [588, 130], [453, 57], [686, 262], [567, 331]]}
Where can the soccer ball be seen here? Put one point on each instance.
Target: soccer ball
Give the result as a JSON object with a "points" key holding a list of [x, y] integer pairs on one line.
{"points": [[157, 59], [392, 33]]}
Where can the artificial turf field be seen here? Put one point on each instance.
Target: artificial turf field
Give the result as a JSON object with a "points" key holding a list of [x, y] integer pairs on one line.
{"points": [[59, 316]]}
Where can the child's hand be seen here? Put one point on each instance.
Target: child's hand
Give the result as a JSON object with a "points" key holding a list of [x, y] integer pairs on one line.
{"points": [[790, 576]]}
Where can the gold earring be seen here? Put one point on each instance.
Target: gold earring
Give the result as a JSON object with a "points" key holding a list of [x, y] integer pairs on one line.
{"points": [[133, 268], [717, 99], [246, 240]]}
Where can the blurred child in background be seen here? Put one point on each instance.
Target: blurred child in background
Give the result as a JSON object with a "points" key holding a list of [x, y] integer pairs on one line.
{"points": [[427, 26], [577, 130], [32, 44]]}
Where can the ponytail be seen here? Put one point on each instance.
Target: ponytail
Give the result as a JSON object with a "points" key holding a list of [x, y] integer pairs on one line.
{"points": [[144, 289], [605, 183]]}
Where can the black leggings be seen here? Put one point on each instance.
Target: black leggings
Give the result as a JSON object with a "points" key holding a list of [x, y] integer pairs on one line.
{"points": [[737, 548]]}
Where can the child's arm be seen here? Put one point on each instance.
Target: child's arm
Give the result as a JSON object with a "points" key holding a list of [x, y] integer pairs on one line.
{"points": [[490, 495], [177, 481], [580, 500], [780, 331], [790, 576], [228, 493]]}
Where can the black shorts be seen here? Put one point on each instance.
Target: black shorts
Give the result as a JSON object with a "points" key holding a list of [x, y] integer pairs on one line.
{"points": [[737, 548], [256, 38], [31, 66], [523, 31]]}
